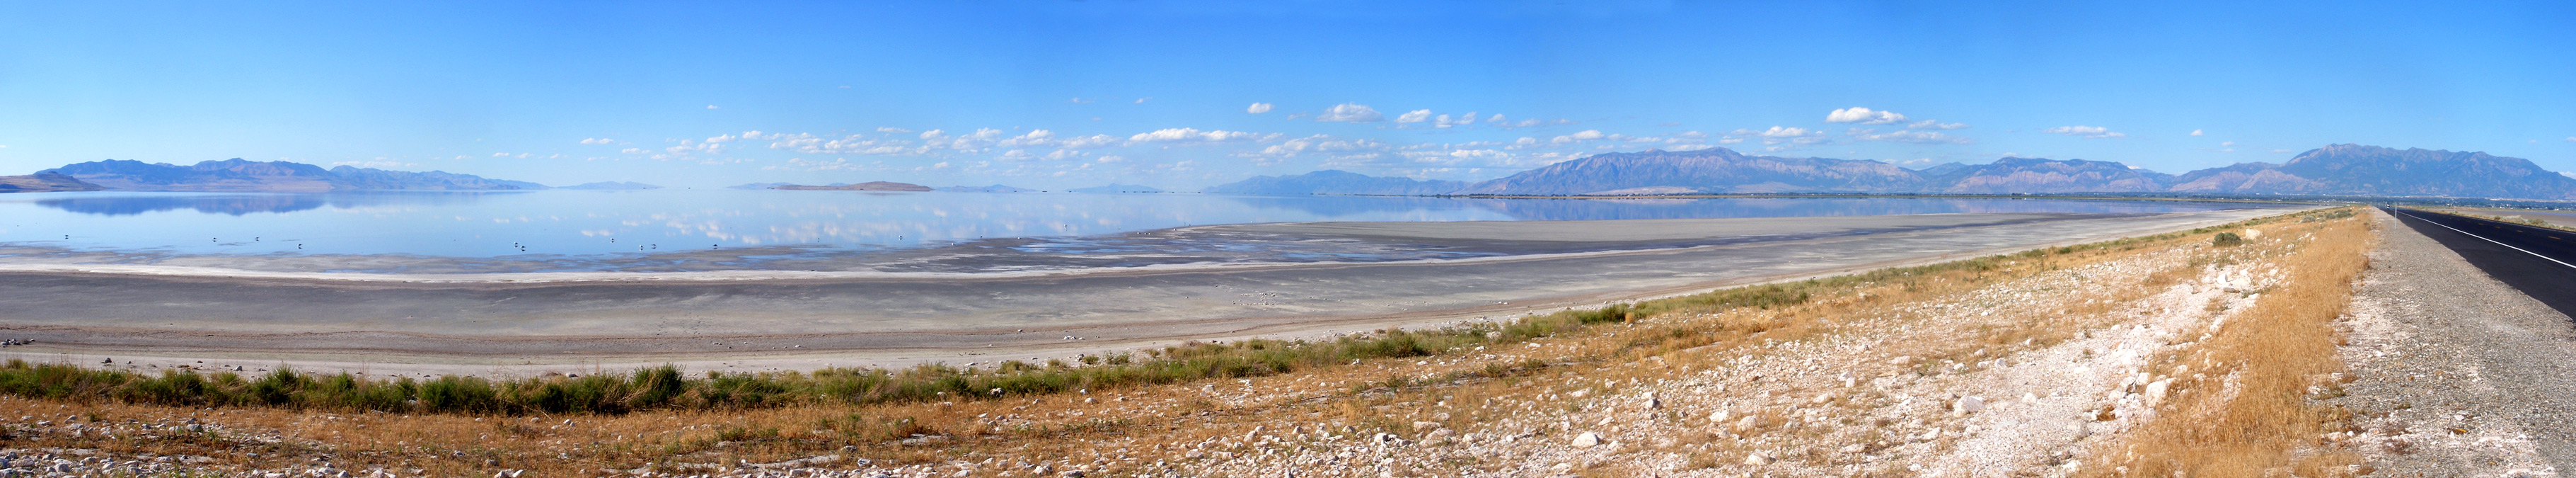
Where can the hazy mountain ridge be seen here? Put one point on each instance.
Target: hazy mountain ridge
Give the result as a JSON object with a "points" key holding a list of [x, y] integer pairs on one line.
{"points": [[271, 176], [44, 183], [866, 186], [2033, 175], [997, 188], [2342, 169], [1713, 170], [1334, 181]]}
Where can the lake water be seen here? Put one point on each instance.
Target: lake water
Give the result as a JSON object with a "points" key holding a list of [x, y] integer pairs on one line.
{"points": [[575, 230]]}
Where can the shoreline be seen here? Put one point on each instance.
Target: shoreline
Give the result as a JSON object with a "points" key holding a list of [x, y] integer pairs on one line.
{"points": [[377, 351]]}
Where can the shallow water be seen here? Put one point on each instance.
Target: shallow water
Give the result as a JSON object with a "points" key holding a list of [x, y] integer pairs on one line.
{"points": [[591, 230]]}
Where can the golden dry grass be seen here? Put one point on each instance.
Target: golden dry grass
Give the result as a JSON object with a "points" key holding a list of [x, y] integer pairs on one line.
{"points": [[2252, 413]]}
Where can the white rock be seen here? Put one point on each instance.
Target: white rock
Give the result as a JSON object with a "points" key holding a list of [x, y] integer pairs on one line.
{"points": [[1720, 416], [1758, 459], [2156, 391], [1587, 440], [1900, 361], [1967, 405]]}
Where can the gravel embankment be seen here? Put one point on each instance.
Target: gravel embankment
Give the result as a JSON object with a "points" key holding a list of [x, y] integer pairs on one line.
{"points": [[2454, 373]]}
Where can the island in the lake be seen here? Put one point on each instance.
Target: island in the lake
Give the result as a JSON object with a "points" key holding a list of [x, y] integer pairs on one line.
{"points": [[866, 186]]}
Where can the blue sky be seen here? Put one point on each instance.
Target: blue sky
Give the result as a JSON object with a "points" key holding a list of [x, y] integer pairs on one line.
{"points": [[1182, 95]]}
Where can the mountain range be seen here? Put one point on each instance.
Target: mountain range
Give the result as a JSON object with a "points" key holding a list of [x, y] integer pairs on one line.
{"points": [[44, 183], [273, 176], [2342, 169]]}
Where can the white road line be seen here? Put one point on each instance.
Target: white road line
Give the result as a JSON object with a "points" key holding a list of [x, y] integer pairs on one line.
{"points": [[2483, 238]]}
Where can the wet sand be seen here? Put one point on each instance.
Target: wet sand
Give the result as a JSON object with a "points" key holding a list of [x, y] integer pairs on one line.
{"points": [[790, 320]]}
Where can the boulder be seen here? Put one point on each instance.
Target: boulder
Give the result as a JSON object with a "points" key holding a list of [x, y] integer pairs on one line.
{"points": [[1587, 440]]}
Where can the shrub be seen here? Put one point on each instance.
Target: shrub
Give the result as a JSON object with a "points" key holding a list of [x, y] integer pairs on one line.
{"points": [[2227, 239]]}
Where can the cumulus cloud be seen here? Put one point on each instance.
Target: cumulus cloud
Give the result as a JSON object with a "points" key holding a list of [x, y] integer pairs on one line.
{"points": [[1914, 137], [1415, 116], [1350, 113], [1259, 108], [1142, 100], [1463, 120], [1190, 135], [1863, 116], [713, 107], [2195, 132], [1088, 142], [1931, 124], [1032, 139], [891, 129], [2085, 131], [1585, 135], [597, 141], [1781, 134]]}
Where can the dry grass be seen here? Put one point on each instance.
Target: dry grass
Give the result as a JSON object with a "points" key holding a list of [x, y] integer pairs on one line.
{"points": [[2258, 418], [1491, 389]]}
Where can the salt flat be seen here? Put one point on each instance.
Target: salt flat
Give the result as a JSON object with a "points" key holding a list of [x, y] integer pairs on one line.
{"points": [[797, 323]]}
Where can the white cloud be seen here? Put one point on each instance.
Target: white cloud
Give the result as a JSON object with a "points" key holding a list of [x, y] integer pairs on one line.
{"points": [[933, 134], [1931, 124], [1781, 134], [1915, 137], [891, 129], [1188, 135], [1259, 108], [2195, 132], [1081, 100], [713, 107], [2227, 143], [1034, 138], [1350, 113], [1142, 100], [583, 141], [1863, 116], [1110, 159], [2085, 131], [1087, 142], [1415, 116], [500, 155], [2571, 139], [1463, 120], [1585, 135]]}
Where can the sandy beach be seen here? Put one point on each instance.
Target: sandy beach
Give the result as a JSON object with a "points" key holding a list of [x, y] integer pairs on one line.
{"points": [[498, 324]]}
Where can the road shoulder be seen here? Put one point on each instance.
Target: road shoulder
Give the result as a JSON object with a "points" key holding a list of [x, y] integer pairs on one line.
{"points": [[2454, 373]]}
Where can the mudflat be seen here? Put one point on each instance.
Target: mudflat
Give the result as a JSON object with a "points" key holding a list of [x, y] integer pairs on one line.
{"points": [[797, 321]]}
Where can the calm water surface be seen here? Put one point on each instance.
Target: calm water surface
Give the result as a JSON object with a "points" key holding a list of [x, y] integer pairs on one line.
{"points": [[610, 223]]}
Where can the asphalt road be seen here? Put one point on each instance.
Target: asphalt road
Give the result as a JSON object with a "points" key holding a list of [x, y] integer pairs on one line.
{"points": [[2537, 260]]}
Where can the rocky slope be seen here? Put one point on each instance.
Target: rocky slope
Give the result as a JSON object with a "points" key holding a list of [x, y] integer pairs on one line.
{"points": [[44, 183], [272, 176]]}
